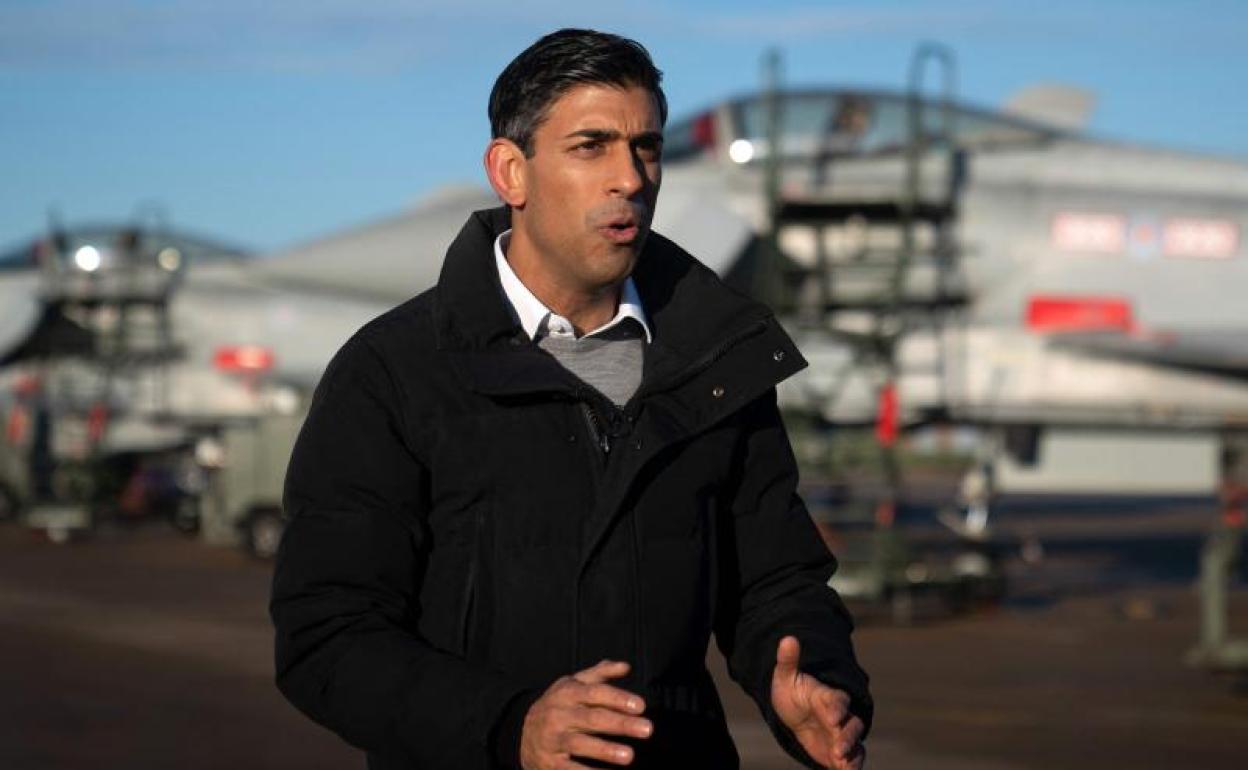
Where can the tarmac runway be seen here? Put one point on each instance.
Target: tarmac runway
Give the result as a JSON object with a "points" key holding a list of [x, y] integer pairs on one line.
{"points": [[139, 648]]}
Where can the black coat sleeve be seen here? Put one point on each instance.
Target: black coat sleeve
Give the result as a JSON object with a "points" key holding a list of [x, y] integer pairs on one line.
{"points": [[346, 583], [776, 583]]}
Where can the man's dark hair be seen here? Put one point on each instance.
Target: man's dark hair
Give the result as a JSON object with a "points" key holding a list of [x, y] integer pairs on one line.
{"points": [[546, 70]]}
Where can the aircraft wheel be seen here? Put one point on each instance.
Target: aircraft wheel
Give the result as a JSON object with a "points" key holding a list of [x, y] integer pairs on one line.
{"points": [[186, 515]]}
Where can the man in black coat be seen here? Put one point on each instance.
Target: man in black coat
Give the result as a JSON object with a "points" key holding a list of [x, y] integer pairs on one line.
{"points": [[524, 500]]}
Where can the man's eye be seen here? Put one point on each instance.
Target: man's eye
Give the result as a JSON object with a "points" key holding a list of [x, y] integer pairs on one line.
{"points": [[588, 148], [650, 152]]}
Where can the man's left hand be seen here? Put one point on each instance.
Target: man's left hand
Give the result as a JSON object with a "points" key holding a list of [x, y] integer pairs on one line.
{"points": [[817, 714]]}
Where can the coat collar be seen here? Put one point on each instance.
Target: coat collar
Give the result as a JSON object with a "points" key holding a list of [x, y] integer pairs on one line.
{"points": [[469, 310]]}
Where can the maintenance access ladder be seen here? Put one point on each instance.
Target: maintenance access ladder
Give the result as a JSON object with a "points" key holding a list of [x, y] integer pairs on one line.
{"points": [[865, 245]]}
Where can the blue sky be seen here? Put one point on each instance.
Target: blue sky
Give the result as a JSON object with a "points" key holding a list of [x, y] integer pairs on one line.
{"points": [[268, 123]]}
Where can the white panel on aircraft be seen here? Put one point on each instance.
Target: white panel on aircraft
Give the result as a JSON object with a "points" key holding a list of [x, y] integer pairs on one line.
{"points": [[703, 227], [19, 309]]}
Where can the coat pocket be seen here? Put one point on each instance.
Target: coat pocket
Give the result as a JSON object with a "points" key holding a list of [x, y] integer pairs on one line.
{"points": [[470, 600]]}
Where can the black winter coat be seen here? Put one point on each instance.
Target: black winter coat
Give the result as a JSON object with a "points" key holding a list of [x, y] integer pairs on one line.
{"points": [[459, 538]]}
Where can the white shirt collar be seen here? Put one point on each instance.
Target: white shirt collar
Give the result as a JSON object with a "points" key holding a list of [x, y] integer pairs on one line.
{"points": [[535, 317]]}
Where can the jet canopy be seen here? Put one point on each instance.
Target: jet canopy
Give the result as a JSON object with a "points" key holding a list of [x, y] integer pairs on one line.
{"points": [[820, 123]]}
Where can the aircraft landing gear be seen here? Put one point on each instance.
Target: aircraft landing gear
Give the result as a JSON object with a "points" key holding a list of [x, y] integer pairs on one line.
{"points": [[1216, 649]]}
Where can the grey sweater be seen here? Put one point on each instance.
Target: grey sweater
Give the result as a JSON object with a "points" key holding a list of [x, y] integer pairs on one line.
{"points": [[610, 361]]}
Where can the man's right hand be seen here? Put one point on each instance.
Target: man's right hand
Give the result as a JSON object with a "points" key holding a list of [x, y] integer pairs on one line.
{"points": [[567, 719]]}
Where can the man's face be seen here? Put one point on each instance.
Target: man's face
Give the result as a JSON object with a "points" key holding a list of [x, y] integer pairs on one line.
{"points": [[592, 183]]}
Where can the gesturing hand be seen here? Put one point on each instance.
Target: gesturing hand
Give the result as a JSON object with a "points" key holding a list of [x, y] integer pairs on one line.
{"points": [[566, 720], [817, 714]]}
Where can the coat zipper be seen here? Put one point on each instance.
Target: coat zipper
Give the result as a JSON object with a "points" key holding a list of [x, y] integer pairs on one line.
{"points": [[601, 439], [597, 431]]}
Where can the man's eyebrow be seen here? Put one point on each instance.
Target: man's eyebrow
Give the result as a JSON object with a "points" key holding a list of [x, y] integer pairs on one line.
{"points": [[598, 134], [610, 134]]}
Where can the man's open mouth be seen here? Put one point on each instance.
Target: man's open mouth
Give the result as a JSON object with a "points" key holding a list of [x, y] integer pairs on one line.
{"points": [[620, 230]]}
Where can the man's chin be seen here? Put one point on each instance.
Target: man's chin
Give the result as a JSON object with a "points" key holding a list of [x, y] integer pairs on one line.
{"points": [[616, 266]]}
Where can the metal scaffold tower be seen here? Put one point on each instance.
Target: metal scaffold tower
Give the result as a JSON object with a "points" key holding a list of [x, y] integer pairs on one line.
{"points": [[100, 355], [885, 264]]}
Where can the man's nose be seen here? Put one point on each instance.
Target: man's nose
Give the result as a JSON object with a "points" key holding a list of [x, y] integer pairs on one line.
{"points": [[628, 173]]}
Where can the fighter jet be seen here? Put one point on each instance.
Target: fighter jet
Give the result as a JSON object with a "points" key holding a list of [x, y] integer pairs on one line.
{"points": [[934, 260]]}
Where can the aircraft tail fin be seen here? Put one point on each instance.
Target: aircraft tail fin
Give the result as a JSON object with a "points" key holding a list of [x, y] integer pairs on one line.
{"points": [[1061, 106]]}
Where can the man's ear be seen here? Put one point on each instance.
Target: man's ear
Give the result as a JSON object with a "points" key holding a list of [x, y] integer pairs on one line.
{"points": [[505, 168]]}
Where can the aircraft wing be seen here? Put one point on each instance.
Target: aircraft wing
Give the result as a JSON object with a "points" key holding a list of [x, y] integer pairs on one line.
{"points": [[388, 260], [1222, 351]]}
